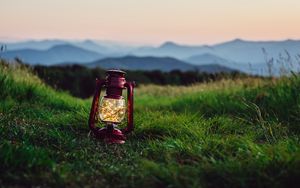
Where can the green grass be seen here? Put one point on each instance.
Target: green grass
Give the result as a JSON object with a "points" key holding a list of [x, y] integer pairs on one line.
{"points": [[241, 133]]}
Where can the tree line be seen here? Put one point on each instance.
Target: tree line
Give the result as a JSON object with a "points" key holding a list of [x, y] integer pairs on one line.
{"points": [[80, 80]]}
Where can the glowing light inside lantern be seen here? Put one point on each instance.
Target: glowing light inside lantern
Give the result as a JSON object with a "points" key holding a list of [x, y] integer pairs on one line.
{"points": [[112, 110]]}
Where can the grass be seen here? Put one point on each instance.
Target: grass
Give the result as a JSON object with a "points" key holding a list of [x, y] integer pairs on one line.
{"points": [[242, 133]]}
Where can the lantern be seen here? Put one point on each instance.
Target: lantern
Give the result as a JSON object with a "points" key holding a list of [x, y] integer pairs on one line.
{"points": [[112, 108]]}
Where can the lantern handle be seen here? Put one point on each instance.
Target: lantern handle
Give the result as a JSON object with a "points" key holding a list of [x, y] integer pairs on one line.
{"points": [[95, 104], [130, 126]]}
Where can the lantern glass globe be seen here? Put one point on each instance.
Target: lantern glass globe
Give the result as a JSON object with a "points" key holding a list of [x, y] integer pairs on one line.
{"points": [[112, 110]]}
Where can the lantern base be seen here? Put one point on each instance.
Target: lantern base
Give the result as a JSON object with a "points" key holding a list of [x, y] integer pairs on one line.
{"points": [[111, 135]]}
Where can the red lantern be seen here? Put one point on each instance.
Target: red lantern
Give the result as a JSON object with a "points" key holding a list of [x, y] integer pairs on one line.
{"points": [[111, 109]]}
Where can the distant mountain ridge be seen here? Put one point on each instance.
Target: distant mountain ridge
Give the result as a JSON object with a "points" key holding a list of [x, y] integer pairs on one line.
{"points": [[237, 50], [103, 47], [142, 63], [208, 58], [58, 53], [154, 63], [171, 49], [34, 44]]}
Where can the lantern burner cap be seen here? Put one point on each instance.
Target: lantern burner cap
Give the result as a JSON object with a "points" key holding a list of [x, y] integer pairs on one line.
{"points": [[115, 71]]}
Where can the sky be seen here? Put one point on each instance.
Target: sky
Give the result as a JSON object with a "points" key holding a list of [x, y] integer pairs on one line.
{"points": [[150, 21]]}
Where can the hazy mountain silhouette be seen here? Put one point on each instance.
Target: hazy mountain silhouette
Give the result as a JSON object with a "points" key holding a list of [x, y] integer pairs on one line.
{"points": [[171, 49], [142, 63], [92, 46], [251, 51], [34, 44], [107, 48], [58, 53], [153, 63], [208, 58], [240, 51]]}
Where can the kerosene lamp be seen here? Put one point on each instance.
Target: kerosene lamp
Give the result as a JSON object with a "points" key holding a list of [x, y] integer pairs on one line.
{"points": [[112, 107]]}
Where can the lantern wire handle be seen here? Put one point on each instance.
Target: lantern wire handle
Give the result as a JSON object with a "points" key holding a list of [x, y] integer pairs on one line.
{"points": [[95, 105], [130, 126]]}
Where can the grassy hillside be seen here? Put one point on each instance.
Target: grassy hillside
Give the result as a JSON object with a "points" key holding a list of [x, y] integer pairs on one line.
{"points": [[241, 133]]}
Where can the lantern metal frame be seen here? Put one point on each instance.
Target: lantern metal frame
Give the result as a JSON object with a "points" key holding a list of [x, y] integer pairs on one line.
{"points": [[114, 83]]}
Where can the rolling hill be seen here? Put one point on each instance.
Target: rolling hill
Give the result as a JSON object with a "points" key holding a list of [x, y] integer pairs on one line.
{"points": [[233, 133]]}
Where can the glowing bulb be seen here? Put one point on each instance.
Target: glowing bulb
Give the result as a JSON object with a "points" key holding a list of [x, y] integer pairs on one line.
{"points": [[112, 110]]}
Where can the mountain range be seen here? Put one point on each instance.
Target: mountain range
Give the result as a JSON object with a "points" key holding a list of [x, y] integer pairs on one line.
{"points": [[246, 56], [149, 63], [53, 55]]}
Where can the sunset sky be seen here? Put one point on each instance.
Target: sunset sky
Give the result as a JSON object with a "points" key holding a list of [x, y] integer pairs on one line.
{"points": [[151, 21]]}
